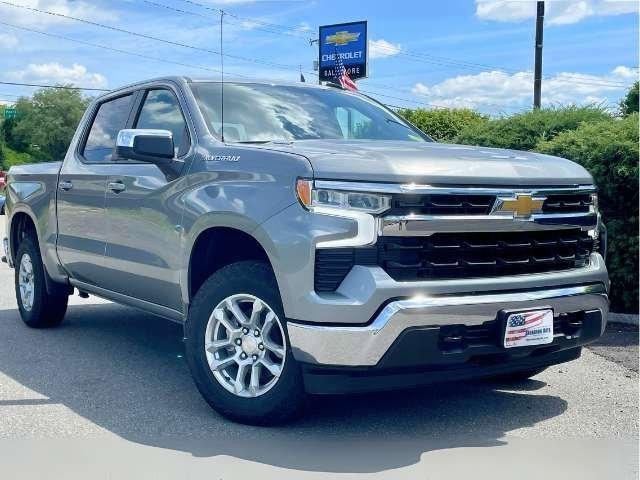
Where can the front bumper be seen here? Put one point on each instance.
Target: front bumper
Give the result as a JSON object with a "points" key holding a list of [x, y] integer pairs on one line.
{"points": [[450, 330]]}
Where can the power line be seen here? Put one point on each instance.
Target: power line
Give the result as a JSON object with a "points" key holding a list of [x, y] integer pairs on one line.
{"points": [[148, 37], [265, 26], [61, 87], [444, 61], [117, 50]]}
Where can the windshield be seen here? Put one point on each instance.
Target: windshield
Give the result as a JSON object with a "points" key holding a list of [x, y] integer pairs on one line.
{"points": [[255, 113]]}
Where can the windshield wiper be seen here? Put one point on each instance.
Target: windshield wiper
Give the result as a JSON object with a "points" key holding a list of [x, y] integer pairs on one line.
{"points": [[262, 142]]}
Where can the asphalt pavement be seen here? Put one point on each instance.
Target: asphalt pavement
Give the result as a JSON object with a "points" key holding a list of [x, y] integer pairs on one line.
{"points": [[108, 395]]}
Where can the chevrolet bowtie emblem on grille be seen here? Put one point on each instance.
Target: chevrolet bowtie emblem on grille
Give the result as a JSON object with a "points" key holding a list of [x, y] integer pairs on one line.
{"points": [[521, 206], [341, 38]]}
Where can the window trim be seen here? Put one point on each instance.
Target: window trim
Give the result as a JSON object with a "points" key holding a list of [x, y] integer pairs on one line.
{"points": [[89, 125], [139, 105]]}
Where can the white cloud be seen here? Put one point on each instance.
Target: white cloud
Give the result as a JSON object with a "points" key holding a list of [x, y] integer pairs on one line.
{"points": [[625, 72], [55, 73], [79, 8], [381, 48], [496, 91], [303, 27], [557, 12], [8, 41]]}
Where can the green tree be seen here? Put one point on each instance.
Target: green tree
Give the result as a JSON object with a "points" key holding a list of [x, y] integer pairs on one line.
{"points": [[629, 103], [46, 123]]}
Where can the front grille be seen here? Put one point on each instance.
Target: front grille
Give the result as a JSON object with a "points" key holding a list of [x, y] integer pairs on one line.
{"points": [[567, 203], [441, 204], [458, 255], [462, 204]]}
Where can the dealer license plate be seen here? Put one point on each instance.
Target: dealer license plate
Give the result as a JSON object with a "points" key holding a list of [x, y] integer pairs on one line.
{"points": [[534, 327]]}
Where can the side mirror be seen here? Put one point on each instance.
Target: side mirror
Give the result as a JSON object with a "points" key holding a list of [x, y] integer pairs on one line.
{"points": [[152, 146]]}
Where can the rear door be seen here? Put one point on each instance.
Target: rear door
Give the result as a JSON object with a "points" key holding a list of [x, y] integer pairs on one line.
{"points": [[82, 229], [144, 210]]}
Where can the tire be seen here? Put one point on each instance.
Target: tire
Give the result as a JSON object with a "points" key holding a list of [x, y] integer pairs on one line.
{"points": [[40, 309], [521, 376], [281, 398]]}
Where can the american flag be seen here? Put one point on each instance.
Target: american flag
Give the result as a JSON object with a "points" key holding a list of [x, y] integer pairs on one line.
{"points": [[341, 76], [526, 321]]}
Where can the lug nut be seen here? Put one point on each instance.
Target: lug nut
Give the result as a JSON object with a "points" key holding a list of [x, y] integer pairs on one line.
{"points": [[261, 347], [238, 342], [254, 357], [256, 332], [245, 330], [243, 355]]}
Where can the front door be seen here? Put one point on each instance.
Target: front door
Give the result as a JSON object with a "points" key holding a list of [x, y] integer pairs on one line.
{"points": [[82, 231], [144, 211]]}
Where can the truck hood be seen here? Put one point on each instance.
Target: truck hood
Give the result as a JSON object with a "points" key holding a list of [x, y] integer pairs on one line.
{"points": [[433, 163]]}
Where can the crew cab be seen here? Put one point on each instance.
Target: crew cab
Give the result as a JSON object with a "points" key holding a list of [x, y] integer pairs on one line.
{"points": [[311, 241]]}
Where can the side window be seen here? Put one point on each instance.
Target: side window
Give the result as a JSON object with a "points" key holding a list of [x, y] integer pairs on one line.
{"points": [[162, 111], [353, 123], [110, 119]]}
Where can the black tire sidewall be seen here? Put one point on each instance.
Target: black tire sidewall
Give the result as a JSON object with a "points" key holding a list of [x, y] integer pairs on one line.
{"points": [[284, 400], [30, 317], [47, 310]]}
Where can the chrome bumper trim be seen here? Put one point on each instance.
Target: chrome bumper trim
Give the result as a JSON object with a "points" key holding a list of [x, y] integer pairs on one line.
{"points": [[425, 225], [366, 345]]}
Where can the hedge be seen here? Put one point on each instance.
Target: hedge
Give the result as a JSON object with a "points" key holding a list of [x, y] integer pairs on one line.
{"points": [[608, 149], [442, 125], [524, 131]]}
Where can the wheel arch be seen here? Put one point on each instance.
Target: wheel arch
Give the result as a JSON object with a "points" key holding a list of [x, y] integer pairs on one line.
{"points": [[218, 246], [22, 224]]}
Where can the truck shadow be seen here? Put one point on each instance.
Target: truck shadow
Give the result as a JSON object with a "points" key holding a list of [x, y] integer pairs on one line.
{"points": [[123, 371]]}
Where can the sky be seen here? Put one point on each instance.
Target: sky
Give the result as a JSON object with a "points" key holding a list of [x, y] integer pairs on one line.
{"points": [[431, 54]]}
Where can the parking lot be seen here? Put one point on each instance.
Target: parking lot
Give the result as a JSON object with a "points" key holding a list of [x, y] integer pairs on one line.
{"points": [[109, 392]]}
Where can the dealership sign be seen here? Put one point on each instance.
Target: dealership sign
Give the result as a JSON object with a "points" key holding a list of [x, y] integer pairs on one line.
{"points": [[349, 41]]}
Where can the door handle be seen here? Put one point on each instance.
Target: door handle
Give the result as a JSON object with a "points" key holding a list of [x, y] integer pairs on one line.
{"points": [[116, 187], [65, 185]]}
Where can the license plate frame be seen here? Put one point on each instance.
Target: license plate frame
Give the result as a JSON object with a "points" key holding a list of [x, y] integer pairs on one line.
{"points": [[537, 331]]}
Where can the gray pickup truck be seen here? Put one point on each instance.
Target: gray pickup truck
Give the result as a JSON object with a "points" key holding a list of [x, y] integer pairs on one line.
{"points": [[310, 241]]}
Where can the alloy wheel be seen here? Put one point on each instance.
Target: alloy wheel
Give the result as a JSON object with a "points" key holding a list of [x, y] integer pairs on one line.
{"points": [[245, 345], [26, 282]]}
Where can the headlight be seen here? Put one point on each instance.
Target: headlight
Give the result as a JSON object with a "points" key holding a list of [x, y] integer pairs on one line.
{"points": [[310, 197], [595, 233]]}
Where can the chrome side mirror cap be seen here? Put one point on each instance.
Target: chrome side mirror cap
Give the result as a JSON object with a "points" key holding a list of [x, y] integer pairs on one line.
{"points": [[145, 145]]}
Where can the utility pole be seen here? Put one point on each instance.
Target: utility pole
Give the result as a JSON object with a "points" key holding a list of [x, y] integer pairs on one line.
{"points": [[537, 80]]}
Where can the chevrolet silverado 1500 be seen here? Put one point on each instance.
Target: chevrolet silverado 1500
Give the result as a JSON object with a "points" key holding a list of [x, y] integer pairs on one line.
{"points": [[311, 241]]}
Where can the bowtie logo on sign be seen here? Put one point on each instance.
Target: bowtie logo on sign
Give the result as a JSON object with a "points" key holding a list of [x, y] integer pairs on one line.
{"points": [[342, 38]]}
